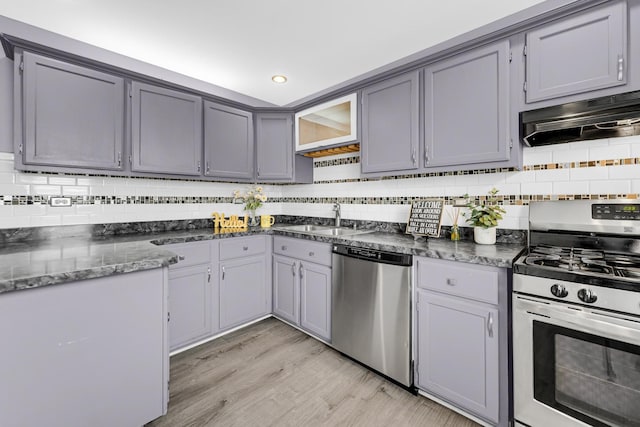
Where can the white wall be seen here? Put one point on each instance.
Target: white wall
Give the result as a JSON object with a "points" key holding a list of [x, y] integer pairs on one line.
{"points": [[549, 172]]}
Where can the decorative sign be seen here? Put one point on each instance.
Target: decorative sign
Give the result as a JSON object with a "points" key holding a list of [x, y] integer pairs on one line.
{"points": [[425, 217], [219, 221]]}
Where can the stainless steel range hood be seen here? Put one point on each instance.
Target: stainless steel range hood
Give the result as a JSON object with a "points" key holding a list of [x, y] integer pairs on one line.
{"points": [[606, 117]]}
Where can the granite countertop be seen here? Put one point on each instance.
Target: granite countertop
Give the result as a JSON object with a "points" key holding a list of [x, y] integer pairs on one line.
{"points": [[32, 264]]}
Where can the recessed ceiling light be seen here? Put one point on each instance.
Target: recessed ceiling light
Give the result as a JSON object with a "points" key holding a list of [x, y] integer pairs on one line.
{"points": [[278, 78]]}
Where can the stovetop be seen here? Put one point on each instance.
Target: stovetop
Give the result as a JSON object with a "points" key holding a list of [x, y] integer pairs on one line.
{"points": [[582, 265]]}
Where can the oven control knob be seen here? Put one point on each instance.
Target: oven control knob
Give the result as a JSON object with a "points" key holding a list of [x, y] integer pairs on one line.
{"points": [[559, 291], [586, 295]]}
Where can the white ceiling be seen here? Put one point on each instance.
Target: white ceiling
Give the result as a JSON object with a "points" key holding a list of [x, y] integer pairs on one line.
{"points": [[240, 44]]}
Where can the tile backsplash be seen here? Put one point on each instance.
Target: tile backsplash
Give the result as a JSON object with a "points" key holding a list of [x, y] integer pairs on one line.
{"points": [[601, 169]]}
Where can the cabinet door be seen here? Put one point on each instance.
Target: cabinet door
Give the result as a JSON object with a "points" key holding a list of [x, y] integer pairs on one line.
{"points": [[228, 142], [315, 299], [458, 352], [166, 131], [243, 291], [73, 116], [189, 305], [286, 289], [274, 134], [390, 129], [466, 104], [584, 52]]}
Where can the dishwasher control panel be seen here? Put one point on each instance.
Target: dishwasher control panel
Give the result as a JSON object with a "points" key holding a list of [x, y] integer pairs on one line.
{"points": [[374, 255]]}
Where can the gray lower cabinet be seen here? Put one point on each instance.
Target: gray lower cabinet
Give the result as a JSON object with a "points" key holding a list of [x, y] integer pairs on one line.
{"points": [[243, 291], [89, 352], [471, 88], [458, 355], [315, 299], [71, 116], [302, 284], [228, 142], [390, 125], [193, 305], [286, 289], [584, 52], [189, 305], [276, 160], [244, 277], [462, 336], [166, 131]]}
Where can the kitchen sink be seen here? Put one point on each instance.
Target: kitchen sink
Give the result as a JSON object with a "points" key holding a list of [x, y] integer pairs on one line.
{"points": [[323, 230]]}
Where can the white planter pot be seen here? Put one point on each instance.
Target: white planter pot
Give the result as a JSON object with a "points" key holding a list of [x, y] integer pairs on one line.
{"points": [[484, 236]]}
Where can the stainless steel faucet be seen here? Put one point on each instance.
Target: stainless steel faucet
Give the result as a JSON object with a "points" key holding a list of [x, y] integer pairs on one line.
{"points": [[336, 207]]}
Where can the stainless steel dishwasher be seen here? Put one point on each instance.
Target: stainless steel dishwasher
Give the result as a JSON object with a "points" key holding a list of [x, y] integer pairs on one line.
{"points": [[371, 309]]}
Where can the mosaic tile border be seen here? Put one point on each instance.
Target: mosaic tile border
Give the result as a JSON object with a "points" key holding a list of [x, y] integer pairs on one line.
{"points": [[546, 166], [506, 200], [337, 162]]}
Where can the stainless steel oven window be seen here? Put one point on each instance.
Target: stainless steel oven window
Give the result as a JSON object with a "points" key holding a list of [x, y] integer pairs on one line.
{"points": [[589, 377]]}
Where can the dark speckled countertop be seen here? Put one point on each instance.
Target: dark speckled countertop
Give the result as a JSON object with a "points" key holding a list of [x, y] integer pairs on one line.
{"points": [[31, 264]]}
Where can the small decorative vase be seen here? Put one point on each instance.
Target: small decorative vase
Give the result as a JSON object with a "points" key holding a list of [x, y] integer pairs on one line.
{"points": [[484, 236], [455, 232], [253, 219]]}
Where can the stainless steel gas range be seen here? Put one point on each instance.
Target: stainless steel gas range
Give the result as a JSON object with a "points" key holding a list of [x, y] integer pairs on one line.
{"points": [[576, 316]]}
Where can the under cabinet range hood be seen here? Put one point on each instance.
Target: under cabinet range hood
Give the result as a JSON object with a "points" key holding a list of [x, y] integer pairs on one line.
{"points": [[606, 117]]}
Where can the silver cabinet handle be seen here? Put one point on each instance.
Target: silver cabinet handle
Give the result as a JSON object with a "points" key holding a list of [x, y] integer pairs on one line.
{"points": [[311, 253], [426, 155], [208, 166], [223, 272], [181, 257], [301, 272], [293, 269], [283, 247], [620, 67], [245, 248], [119, 159], [451, 282], [198, 166], [209, 274], [490, 325], [413, 155]]}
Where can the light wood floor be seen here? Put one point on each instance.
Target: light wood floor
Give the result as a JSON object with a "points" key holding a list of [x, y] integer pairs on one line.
{"points": [[270, 374]]}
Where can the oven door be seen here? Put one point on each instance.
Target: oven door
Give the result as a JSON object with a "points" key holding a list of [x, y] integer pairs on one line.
{"points": [[574, 366]]}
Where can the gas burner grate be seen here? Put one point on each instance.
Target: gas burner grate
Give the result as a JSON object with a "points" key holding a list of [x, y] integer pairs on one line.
{"points": [[584, 260]]}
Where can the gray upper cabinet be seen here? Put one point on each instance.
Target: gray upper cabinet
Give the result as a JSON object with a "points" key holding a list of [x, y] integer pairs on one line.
{"points": [[466, 106], [390, 125], [581, 53], [166, 134], [276, 158], [274, 134], [72, 116], [228, 142]]}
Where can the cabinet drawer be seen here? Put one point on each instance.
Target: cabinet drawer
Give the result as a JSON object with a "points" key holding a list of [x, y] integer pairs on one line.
{"points": [[455, 278], [304, 250], [189, 254], [242, 246]]}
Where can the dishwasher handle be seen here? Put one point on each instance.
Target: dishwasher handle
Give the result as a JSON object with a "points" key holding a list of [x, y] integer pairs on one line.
{"points": [[373, 255]]}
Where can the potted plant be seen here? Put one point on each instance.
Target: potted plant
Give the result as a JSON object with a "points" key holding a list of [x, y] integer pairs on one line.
{"points": [[484, 217], [253, 199]]}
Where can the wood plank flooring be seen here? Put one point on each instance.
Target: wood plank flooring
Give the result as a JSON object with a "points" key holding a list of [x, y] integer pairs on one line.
{"points": [[270, 374]]}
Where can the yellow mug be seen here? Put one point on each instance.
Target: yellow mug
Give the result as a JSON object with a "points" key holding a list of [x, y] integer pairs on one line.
{"points": [[266, 221]]}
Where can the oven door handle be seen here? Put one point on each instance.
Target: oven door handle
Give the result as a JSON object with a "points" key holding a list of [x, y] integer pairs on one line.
{"points": [[591, 322]]}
